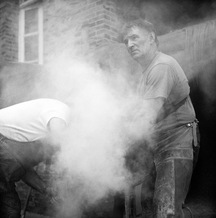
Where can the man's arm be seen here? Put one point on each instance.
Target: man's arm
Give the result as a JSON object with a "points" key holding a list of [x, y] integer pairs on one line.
{"points": [[56, 128], [168, 109], [148, 110], [56, 124], [159, 109], [140, 123], [163, 84], [32, 179]]}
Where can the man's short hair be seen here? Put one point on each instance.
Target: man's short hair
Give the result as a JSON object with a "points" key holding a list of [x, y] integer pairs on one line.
{"points": [[140, 23]]}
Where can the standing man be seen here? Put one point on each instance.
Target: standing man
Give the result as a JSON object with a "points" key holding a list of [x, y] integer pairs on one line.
{"points": [[164, 87], [30, 132]]}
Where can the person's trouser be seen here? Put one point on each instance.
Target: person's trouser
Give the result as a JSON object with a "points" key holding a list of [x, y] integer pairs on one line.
{"points": [[171, 187], [163, 195], [10, 206], [10, 172]]}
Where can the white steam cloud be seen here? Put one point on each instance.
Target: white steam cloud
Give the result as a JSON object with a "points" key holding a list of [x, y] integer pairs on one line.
{"points": [[92, 157]]}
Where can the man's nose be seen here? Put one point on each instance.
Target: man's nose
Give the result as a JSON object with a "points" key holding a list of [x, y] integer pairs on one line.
{"points": [[130, 44]]}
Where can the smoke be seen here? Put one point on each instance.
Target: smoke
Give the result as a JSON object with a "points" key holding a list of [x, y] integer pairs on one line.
{"points": [[22, 82], [91, 163], [168, 15]]}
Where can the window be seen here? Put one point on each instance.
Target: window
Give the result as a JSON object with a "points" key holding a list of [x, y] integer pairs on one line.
{"points": [[30, 32]]}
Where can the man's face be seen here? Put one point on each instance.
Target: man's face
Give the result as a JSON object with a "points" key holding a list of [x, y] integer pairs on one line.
{"points": [[137, 42]]}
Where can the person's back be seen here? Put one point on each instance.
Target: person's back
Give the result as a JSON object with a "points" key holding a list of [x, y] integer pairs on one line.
{"points": [[27, 121]]}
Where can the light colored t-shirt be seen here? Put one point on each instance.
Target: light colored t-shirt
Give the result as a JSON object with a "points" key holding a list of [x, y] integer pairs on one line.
{"points": [[164, 78], [27, 121]]}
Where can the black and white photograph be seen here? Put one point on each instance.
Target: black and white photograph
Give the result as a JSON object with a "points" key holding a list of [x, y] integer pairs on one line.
{"points": [[107, 109]]}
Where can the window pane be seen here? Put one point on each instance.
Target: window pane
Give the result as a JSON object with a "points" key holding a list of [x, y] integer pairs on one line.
{"points": [[31, 48], [31, 20]]}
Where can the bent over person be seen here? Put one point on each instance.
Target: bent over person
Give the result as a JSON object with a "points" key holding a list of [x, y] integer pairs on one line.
{"points": [[164, 86], [28, 136]]}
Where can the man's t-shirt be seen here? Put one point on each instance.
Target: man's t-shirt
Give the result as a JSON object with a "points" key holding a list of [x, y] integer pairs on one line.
{"points": [[164, 78], [27, 121]]}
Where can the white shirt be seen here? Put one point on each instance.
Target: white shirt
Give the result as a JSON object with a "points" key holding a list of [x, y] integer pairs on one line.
{"points": [[27, 121]]}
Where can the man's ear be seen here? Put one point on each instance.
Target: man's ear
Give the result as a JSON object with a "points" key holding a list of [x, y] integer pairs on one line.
{"points": [[152, 37]]}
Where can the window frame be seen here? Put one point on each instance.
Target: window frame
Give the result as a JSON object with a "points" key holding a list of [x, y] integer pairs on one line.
{"points": [[22, 35], [23, 3]]}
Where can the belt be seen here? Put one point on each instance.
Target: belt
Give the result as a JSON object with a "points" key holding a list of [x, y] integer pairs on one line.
{"points": [[194, 125]]}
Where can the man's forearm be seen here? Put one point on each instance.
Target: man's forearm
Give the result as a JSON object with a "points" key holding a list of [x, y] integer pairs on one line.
{"points": [[32, 179]]}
